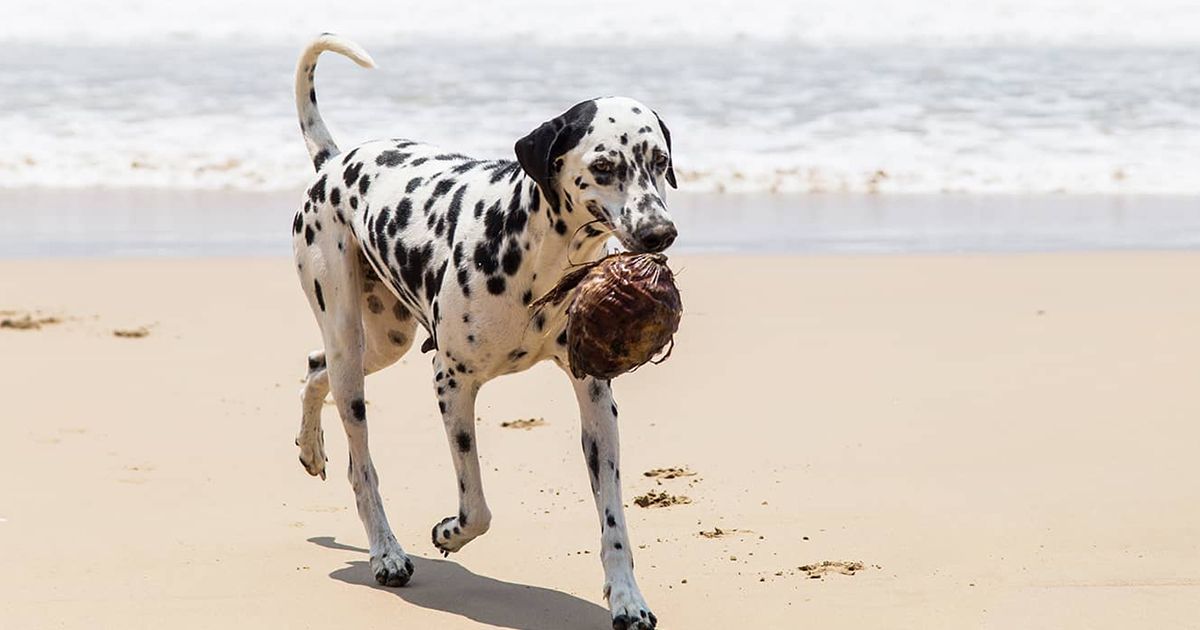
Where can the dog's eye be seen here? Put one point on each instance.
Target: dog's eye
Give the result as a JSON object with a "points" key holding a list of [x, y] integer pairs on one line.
{"points": [[660, 160], [602, 166]]}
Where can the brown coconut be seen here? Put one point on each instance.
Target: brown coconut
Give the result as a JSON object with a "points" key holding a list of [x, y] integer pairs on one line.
{"points": [[625, 310]]}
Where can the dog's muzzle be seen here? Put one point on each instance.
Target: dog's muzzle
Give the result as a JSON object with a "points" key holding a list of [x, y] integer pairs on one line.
{"points": [[656, 236]]}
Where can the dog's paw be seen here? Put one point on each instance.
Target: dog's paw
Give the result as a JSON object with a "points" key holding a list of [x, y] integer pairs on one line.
{"points": [[629, 610], [449, 536], [312, 452], [392, 567]]}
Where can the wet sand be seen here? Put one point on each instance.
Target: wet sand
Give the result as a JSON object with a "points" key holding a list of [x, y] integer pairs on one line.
{"points": [[1001, 442], [83, 222]]}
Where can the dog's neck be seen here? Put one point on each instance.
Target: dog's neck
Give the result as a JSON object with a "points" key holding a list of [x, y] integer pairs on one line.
{"points": [[554, 252]]}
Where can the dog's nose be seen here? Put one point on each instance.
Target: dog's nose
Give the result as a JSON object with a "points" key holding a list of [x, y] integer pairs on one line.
{"points": [[658, 236]]}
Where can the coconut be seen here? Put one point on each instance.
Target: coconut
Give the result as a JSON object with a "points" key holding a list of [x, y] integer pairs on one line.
{"points": [[625, 310]]}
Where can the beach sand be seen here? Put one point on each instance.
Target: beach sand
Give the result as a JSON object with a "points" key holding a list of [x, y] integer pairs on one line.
{"points": [[1001, 441]]}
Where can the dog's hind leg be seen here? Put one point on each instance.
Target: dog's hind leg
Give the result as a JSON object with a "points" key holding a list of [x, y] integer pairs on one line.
{"points": [[456, 391], [333, 280], [311, 438], [601, 450], [389, 328]]}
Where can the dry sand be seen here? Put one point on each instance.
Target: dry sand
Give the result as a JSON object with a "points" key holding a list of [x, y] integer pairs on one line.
{"points": [[1002, 442]]}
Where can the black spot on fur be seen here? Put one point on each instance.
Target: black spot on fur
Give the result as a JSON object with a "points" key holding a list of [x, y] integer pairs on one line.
{"points": [[317, 192], [595, 390], [453, 212], [593, 461], [496, 285], [485, 258], [359, 409], [413, 263], [363, 183], [321, 155], [350, 175], [319, 294], [505, 168], [464, 279], [442, 187], [412, 184], [512, 259], [391, 158], [433, 284], [402, 214], [516, 220], [464, 442]]}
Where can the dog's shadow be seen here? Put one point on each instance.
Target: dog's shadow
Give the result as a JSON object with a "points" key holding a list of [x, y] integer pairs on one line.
{"points": [[447, 586]]}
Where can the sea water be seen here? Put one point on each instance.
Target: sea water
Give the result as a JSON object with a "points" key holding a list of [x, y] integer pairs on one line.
{"points": [[787, 98]]}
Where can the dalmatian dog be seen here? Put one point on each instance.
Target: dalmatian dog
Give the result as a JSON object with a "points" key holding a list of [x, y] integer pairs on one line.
{"points": [[394, 235]]}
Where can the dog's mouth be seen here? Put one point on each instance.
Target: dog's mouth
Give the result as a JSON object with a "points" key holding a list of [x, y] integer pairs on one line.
{"points": [[649, 239], [604, 225]]}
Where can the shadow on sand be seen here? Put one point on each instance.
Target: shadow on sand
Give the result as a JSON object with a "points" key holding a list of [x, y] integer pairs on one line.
{"points": [[447, 586]]}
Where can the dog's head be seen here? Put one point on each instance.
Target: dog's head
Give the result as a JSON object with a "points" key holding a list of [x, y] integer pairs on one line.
{"points": [[610, 157]]}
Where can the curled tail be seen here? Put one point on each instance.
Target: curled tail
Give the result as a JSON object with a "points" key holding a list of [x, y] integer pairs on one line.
{"points": [[320, 144]]}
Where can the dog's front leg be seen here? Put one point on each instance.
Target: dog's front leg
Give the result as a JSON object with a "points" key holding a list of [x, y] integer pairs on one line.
{"points": [[456, 399], [601, 449]]}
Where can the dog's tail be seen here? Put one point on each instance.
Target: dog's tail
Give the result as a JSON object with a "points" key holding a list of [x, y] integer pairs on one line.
{"points": [[320, 144]]}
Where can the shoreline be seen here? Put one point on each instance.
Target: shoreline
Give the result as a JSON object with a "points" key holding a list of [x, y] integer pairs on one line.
{"points": [[99, 223]]}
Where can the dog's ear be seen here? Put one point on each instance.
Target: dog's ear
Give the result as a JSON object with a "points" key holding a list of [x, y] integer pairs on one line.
{"points": [[538, 151], [670, 153], [534, 154]]}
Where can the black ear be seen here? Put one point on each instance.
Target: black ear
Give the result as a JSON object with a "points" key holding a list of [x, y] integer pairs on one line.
{"points": [[538, 151], [670, 154]]}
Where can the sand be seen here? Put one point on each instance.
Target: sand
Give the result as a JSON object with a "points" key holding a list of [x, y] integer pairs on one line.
{"points": [[1001, 441]]}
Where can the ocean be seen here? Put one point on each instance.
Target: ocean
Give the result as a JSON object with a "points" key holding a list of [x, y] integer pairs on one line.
{"points": [[781, 98]]}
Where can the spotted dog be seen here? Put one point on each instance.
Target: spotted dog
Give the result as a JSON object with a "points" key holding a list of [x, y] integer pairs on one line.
{"points": [[394, 235]]}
